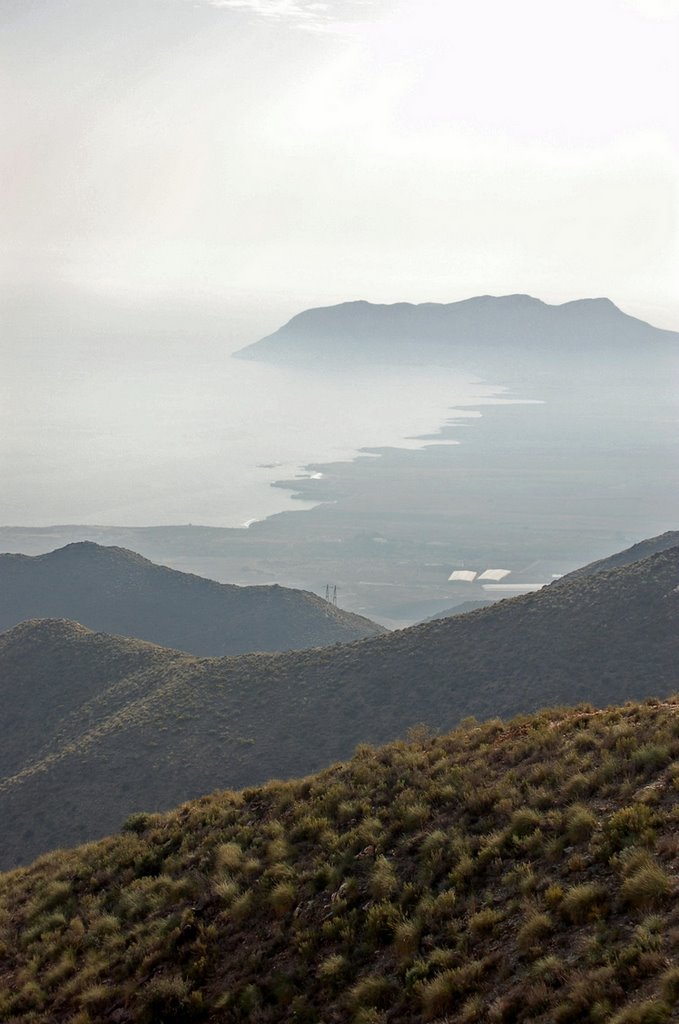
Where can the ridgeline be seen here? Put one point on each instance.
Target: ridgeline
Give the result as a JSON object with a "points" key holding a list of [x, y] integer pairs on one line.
{"points": [[113, 590], [505, 332], [101, 726]]}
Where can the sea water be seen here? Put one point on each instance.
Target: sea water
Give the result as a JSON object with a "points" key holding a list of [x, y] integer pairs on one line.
{"points": [[129, 423]]}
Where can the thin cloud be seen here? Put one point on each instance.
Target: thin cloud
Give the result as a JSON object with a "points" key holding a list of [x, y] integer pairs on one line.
{"points": [[315, 15], [662, 10]]}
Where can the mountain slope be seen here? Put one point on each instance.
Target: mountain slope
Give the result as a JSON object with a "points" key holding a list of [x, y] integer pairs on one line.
{"points": [[460, 609], [117, 591], [643, 549], [167, 727], [524, 872], [508, 327]]}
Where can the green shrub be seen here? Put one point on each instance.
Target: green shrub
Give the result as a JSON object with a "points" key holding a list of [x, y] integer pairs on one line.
{"points": [[31, 996], [64, 968], [553, 896], [407, 937], [282, 898], [228, 857], [650, 756], [433, 843], [550, 969], [580, 823], [669, 985], [413, 816], [524, 821], [278, 850], [472, 1010], [533, 931], [630, 825], [331, 967], [54, 895], [368, 1015], [648, 885], [485, 921], [383, 880], [227, 890], [583, 902], [577, 785], [310, 826], [375, 990], [95, 997], [381, 921], [250, 1000], [251, 867], [137, 822], [167, 998], [649, 1012], [443, 907], [441, 994], [241, 908], [102, 927]]}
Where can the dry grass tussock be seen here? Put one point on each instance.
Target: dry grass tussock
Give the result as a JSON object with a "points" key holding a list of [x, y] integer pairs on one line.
{"points": [[451, 878]]}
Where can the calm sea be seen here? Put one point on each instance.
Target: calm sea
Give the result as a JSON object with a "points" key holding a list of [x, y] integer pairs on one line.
{"points": [[148, 419]]}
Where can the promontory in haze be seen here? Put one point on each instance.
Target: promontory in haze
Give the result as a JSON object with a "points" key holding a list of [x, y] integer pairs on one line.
{"points": [[467, 333]]}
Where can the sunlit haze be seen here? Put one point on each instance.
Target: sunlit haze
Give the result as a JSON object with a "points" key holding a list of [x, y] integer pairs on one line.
{"points": [[305, 153]]}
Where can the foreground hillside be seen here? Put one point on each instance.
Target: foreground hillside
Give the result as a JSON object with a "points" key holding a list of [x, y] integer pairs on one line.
{"points": [[117, 591], [97, 727], [504, 873]]}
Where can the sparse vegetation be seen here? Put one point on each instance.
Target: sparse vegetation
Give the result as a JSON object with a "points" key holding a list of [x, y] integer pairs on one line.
{"points": [[113, 590], [327, 898], [149, 727]]}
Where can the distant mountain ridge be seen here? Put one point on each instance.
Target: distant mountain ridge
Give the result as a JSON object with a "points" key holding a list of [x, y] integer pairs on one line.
{"points": [[463, 608], [440, 331], [643, 549], [103, 726], [635, 553], [118, 591]]}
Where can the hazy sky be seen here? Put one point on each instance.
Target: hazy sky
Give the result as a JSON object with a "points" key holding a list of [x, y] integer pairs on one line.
{"points": [[315, 151]]}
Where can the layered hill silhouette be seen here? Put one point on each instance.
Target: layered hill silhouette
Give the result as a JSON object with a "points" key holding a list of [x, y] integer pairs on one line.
{"points": [[506, 328], [643, 549], [114, 590], [99, 726], [463, 608], [518, 872], [636, 553]]}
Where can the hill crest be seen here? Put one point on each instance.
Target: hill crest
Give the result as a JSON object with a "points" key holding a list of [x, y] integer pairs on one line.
{"points": [[362, 330], [117, 591], [637, 552], [162, 726]]}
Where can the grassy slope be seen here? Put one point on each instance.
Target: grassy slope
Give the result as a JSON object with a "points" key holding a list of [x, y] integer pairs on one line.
{"points": [[117, 591], [503, 873], [175, 728]]}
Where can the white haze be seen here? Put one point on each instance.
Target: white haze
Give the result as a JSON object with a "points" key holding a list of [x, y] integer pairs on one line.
{"points": [[181, 176], [423, 150], [107, 429]]}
